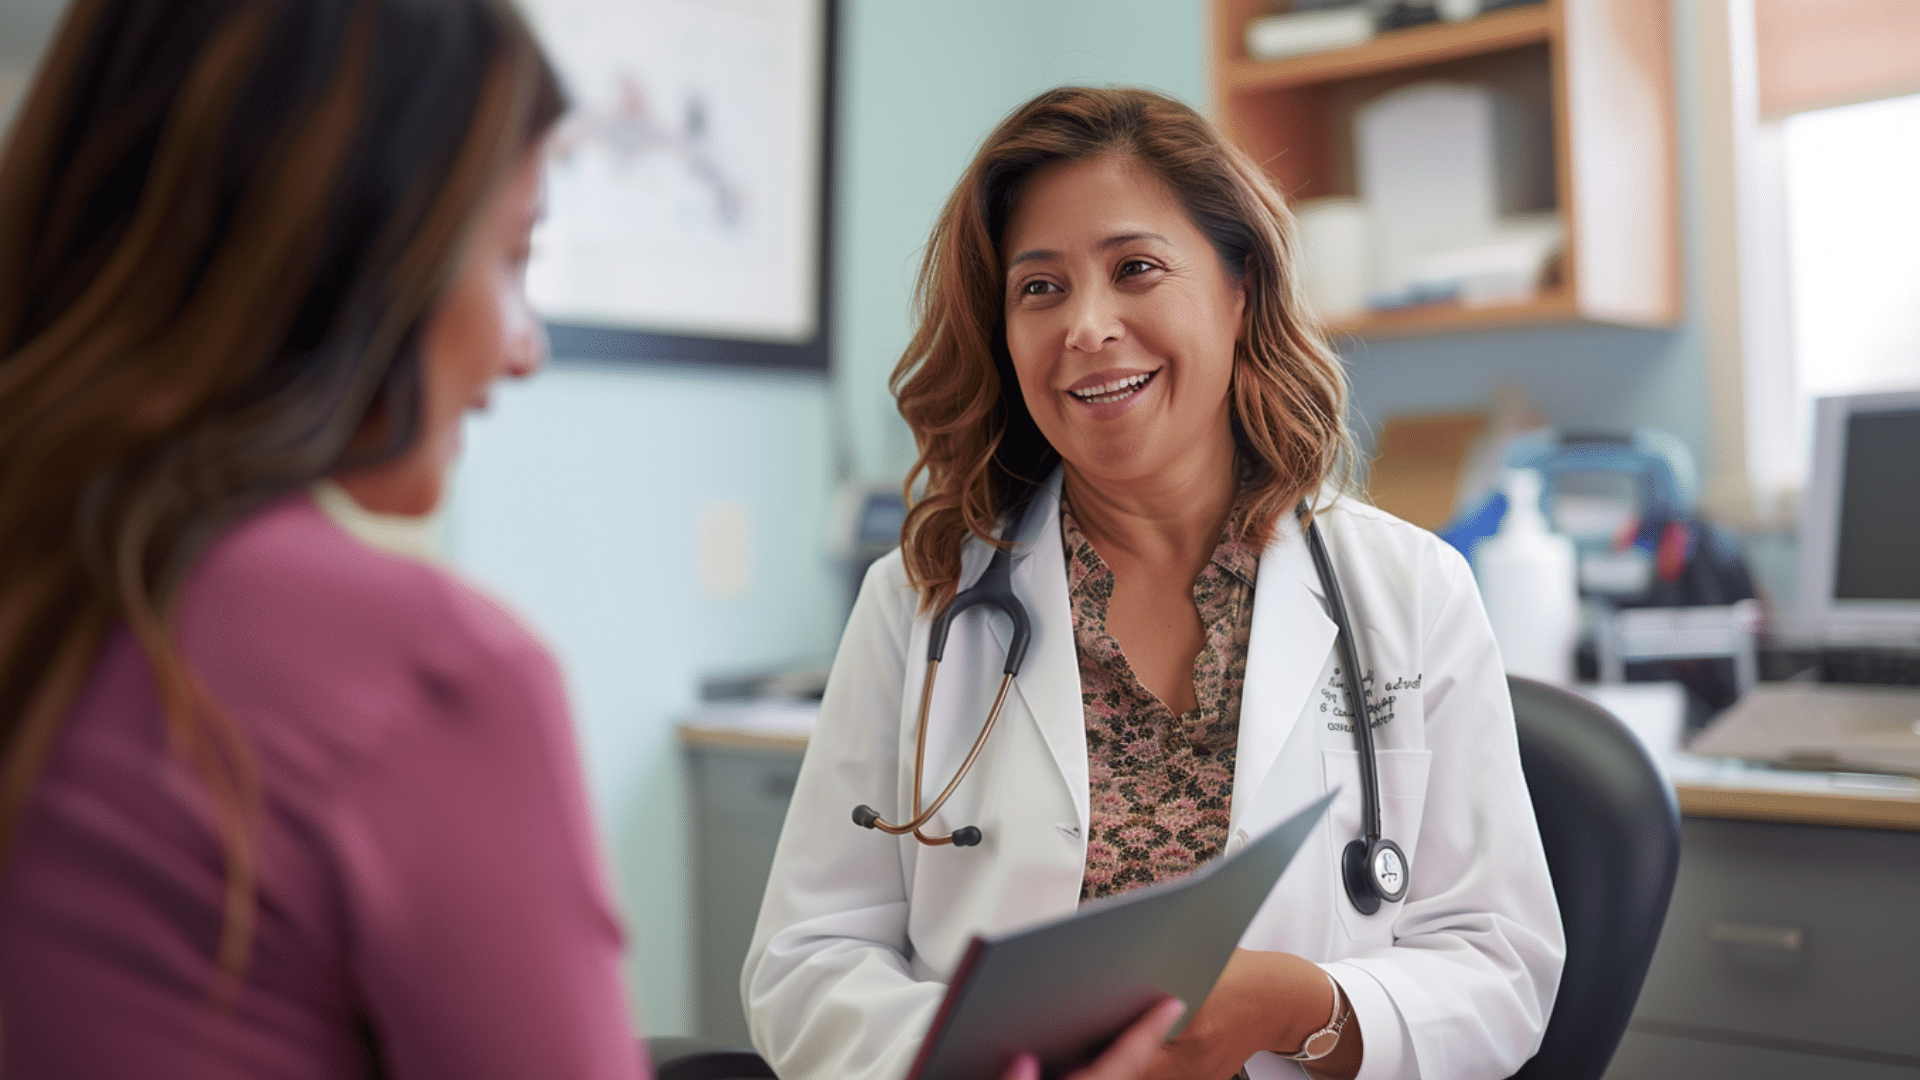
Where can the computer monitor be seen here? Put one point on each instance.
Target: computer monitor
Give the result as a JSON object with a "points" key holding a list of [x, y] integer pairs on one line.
{"points": [[1860, 524]]}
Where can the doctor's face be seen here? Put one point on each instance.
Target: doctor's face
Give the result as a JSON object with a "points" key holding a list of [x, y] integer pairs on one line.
{"points": [[1120, 319]]}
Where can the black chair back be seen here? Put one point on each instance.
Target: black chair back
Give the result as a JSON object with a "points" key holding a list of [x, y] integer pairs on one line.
{"points": [[1612, 837], [701, 1059]]}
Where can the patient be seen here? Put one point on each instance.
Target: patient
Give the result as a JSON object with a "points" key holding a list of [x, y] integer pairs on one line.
{"points": [[274, 804], [279, 806]]}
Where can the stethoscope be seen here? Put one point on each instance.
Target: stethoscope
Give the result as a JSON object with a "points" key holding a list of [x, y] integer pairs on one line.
{"points": [[1373, 868]]}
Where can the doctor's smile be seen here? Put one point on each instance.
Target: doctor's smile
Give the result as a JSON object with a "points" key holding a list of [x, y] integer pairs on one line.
{"points": [[1108, 387]]}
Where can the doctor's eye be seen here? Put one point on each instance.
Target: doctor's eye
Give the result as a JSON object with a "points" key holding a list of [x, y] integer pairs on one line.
{"points": [[1036, 287]]}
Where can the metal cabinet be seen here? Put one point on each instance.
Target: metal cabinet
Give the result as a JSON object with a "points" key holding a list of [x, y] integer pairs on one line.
{"points": [[1789, 951], [739, 796]]}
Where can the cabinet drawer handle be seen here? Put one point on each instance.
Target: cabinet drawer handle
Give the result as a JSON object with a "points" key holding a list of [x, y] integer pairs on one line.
{"points": [[1784, 938]]}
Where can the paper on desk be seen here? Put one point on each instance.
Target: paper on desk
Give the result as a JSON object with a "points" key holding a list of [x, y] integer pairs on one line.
{"points": [[782, 717]]}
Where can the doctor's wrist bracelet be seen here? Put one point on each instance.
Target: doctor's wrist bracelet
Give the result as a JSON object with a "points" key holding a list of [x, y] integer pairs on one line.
{"points": [[1321, 1043]]}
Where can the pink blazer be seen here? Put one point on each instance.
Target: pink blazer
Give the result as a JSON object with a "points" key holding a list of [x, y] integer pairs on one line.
{"points": [[431, 902]]}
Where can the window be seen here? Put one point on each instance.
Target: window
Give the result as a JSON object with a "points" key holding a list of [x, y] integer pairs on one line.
{"points": [[1853, 234], [1807, 162]]}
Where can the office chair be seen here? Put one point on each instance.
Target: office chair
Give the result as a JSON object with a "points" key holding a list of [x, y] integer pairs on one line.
{"points": [[1612, 836]]}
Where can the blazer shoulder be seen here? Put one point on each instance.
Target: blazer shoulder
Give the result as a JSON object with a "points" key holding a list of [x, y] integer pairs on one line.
{"points": [[1365, 524], [888, 575], [886, 590], [1362, 535]]}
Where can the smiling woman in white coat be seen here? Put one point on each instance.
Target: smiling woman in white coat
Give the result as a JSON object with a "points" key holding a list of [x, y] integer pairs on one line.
{"points": [[1111, 337]]}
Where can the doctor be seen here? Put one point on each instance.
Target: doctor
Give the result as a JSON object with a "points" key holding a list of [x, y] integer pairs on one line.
{"points": [[1110, 332]]}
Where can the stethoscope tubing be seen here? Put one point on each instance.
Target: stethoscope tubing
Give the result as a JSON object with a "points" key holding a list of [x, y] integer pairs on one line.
{"points": [[993, 590], [1355, 687], [863, 815]]}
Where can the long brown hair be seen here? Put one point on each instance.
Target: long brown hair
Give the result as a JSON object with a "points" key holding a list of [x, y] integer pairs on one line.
{"points": [[979, 447], [223, 224]]}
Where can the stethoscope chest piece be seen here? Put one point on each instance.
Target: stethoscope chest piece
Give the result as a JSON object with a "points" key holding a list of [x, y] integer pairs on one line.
{"points": [[1375, 872]]}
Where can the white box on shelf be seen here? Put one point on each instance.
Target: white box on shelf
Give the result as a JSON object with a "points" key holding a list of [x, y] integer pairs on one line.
{"points": [[1333, 245], [1276, 37]]}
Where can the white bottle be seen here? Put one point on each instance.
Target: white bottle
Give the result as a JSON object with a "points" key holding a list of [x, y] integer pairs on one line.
{"points": [[1526, 576]]}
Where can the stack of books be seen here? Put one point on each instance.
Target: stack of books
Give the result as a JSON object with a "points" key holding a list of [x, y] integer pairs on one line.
{"points": [[1311, 26], [1300, 32]]}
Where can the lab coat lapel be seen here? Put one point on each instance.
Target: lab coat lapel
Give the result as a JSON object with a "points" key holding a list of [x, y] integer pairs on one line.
{"points": [[1049, 681], [1287, 650]]}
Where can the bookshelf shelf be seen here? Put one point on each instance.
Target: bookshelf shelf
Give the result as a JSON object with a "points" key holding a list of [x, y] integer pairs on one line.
{"points": [[1450, 318], [1394, 49]]}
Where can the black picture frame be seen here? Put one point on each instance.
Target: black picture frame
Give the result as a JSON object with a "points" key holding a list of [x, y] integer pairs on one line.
{"points": [[602, 344]]}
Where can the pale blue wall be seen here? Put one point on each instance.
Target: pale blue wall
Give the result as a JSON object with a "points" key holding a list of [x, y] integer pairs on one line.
{"points": [[579, 503]]}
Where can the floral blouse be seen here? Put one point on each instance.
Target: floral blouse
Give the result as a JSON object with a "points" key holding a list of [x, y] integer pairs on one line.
{"points": [[1161, 785]]}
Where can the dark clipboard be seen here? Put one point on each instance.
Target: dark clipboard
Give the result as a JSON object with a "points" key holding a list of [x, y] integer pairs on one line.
{"points": [[1064, 990]]}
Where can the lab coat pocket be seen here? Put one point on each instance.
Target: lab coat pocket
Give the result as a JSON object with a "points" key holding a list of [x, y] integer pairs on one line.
{"points": [[1403, 797]]}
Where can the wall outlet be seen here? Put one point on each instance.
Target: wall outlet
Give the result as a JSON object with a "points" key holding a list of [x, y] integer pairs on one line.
{"points": [[726, 549]]}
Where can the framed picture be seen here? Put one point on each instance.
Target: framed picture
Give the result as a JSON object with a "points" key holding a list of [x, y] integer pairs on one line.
{"points": [[688, 196]]}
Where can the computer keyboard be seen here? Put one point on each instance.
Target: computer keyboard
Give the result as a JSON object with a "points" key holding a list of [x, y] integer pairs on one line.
{"points": [[1870, 666]]}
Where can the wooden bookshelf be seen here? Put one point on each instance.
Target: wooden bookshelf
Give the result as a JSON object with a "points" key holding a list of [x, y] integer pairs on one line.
{"points": [[1601, 70]]}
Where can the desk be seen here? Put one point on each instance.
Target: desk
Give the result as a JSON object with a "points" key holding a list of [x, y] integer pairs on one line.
{"points": [[1732, 790], [779, 742], [1766, 856], [1792, 947], [1800, 808]]}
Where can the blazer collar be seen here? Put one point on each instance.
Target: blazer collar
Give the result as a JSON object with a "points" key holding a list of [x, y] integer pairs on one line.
{"points": [[1287, 650], [1049, 680]]}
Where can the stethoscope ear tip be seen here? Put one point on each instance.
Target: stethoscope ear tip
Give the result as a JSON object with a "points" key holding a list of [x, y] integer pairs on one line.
{"points": [[966, 836], [865, 816]]}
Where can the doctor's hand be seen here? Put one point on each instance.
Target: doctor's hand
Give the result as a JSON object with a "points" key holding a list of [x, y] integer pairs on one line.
{"points": [[1126, 1059], [1263, 1001]]}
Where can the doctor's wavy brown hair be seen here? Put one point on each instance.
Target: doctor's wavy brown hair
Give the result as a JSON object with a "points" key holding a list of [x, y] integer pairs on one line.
{"points": [[223, 227], [979, 447]]}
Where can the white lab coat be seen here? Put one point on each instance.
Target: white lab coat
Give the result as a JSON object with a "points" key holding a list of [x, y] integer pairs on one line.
{"points": [[859, 930]]}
